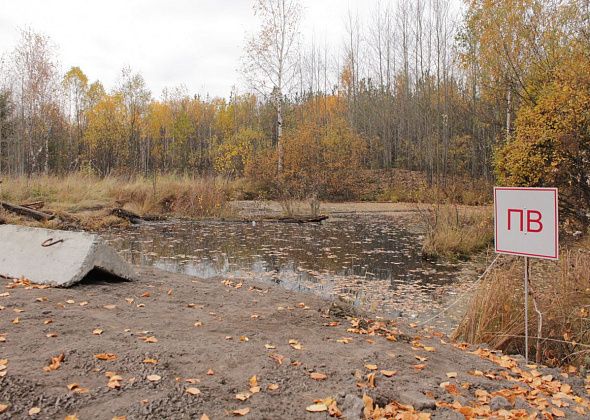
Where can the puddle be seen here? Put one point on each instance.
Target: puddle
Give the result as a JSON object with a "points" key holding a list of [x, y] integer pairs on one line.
{"points": [[373, 261]]}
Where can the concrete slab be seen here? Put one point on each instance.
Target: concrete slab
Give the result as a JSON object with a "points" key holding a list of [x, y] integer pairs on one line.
{"points": [[56, 257]]}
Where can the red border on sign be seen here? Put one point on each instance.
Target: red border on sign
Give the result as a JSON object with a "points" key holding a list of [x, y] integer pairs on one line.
{"points": [[556, 247]]}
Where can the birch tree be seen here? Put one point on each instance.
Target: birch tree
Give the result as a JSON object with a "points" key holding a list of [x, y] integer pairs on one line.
{"points": [[271, 58]]}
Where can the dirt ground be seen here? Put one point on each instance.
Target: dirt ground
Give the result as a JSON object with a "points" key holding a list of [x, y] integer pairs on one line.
{"points": [[181, 347]]}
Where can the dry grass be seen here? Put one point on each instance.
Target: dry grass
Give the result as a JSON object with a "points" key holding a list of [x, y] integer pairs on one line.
{"points": [[455, 232], [562, 293], [459, 191], [79, 197]]}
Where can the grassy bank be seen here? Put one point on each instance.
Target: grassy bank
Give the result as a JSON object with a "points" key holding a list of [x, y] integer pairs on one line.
{"points": [[87, 200], [559, 310], [455, 232]]}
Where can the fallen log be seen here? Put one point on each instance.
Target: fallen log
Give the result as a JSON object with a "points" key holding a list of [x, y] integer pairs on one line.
{"points": [[35, 205], [26, 212], [134, 218], [280, 219], [296, 219]]}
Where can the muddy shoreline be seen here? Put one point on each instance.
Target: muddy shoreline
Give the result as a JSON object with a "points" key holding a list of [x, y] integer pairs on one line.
{"points": [[215, 335]]}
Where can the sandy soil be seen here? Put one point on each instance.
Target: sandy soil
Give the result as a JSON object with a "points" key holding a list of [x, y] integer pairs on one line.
{"points": [[211, 337]]}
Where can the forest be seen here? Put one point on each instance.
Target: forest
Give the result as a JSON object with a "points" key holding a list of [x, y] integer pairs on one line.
{"points": [[494, 92]]}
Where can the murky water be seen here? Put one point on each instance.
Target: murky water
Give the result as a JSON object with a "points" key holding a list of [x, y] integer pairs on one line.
{"points": [[374, 261]]}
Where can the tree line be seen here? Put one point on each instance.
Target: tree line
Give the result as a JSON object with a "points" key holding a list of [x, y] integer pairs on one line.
{"points": [[415, 85]]}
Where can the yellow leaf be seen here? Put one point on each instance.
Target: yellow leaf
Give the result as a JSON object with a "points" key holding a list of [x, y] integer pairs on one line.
{"points": [[318, 376], [371, 367], [269, 346], [388, 373], [253, 381], [430, 349], [97, 331], [193, 391], [451, 374], [150, 361], [34, 410], [154, 378], [316, 408], [273, 387]]}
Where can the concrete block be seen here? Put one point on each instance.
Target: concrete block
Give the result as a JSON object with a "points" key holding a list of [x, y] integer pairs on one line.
{"points": [[56, 257]]}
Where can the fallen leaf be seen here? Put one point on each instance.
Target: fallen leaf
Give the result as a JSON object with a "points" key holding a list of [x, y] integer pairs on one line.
{"points": [[106, 356], [47, 321], [97, 331], [241, 411], [109, 306], [451, 374], [145, 295], [16, 320], [129, 300], [198, 324], [244, 338], [193, 391], [204, 417], [388, 373], [55, 363], [269, 346], [243, 396], [51, 335], [83, 303], [273, 387], [154, 378], [371, 380], [318, 376], [34, 410], [557, 412], [73, 386], [419, 367], [253, 381], [71, 417], [371, 367], [277, 358], [430, 349], [317, 408], [255, 389], [150, 361], [70, 301], [295, 344], [3, 408], [210, 372], [150, 339], [119, 418]]}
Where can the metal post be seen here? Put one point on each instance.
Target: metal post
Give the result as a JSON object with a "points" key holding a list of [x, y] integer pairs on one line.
{"points": [[526, 309]]}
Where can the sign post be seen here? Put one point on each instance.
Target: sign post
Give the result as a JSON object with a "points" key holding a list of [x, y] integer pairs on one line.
{"points": [[526, 224]]}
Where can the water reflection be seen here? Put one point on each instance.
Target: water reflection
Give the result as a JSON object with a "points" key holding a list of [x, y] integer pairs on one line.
{"points": [[374, 261]]}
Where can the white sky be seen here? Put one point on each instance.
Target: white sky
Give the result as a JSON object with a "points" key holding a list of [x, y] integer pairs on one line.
{"points": [[197, 43]]}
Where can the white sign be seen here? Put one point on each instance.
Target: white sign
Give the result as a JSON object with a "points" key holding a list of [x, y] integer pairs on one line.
{"points": [[525, 222]]}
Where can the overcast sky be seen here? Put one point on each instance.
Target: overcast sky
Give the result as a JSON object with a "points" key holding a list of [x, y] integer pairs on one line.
{"points": [[197, 43]]}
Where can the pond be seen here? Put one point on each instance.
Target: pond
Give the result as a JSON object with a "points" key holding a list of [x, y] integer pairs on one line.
{"points": [[373, 261]]}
